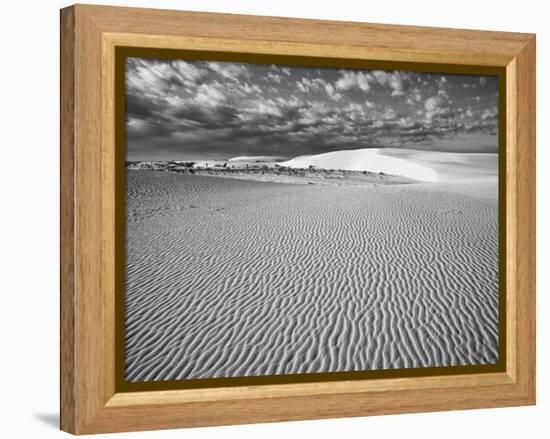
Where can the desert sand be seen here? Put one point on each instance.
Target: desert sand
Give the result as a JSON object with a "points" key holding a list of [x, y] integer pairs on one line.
{"points": [[233, 277]]}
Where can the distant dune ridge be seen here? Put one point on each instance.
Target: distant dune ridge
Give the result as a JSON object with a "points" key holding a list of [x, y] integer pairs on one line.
{"points": [[368, 159], [257, 158], [417, 165], [229, 277]]}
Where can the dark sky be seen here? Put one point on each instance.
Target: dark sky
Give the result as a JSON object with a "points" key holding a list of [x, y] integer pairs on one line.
{"points": [[208, 110]]}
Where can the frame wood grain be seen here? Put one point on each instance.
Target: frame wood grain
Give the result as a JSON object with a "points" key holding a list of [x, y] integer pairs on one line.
{"points": [[89, 36]]}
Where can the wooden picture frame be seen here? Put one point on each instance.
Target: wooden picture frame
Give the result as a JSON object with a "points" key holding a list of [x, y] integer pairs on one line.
{"points": [[91, 402]]}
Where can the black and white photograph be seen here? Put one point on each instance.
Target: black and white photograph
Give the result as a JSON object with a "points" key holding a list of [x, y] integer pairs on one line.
{"points": [[285, 219]]}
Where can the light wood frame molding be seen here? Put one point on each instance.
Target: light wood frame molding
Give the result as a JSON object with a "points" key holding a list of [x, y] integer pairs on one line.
{"points": [[89, 36]]}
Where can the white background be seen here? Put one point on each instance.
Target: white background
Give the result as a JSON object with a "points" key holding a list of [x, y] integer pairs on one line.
{"points": [[29, 237]]}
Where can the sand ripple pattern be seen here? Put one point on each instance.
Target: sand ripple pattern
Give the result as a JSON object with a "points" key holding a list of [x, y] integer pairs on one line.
{"points": [[229, 278]]}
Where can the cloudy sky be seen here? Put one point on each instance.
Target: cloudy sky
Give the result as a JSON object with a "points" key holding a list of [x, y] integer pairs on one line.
{"points": [[177, 110]]}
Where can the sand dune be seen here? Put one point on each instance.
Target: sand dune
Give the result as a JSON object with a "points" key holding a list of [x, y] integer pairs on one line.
{"points": [[452, 167], [256, 158], [228, 277], [368, 159]]}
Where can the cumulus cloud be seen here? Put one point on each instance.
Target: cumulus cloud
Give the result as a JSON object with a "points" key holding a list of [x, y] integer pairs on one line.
{"points": [[437, 107], [381, 76], [250, 88], [416, 94], [350, 79], [391, 80], [274, 77], [268, 107], [389, 114], [283, 70], [396, 84], [232, 71], [182, 109], [354, 107], [489, 114], [329, 88], [432, 103], [158, 76], [210, 94]]}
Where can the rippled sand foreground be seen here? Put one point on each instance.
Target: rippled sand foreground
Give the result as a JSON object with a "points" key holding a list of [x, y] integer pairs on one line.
{"points": [[228, 277]]}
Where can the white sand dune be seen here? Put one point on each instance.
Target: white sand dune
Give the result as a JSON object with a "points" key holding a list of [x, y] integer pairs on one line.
{"points": [[256, 158], [452, 167], [367, 159], [228, 277]]}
